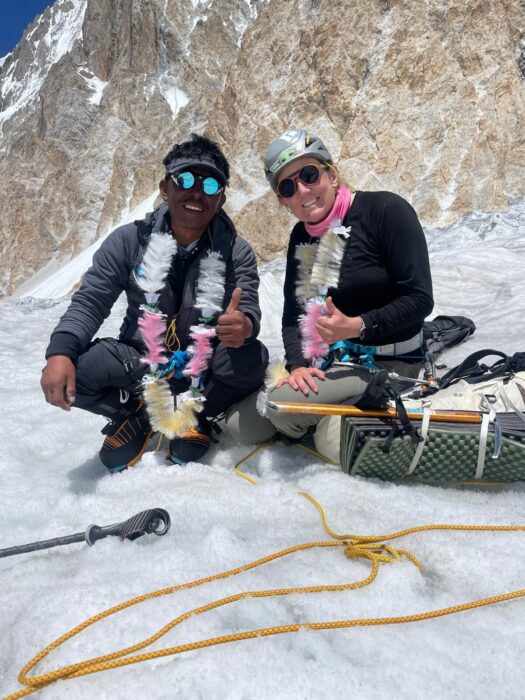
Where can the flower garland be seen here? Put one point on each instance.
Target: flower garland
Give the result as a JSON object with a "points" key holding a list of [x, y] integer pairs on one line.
{"points": [[151, 275], [319, 267]]}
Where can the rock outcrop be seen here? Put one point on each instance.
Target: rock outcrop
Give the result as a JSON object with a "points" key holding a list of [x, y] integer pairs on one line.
{"points": [[425, 99]]}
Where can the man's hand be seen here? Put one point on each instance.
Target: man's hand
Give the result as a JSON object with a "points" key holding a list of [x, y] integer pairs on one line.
{"points": [[302, 379], [58, 381], [233, 326], [337, 326]]}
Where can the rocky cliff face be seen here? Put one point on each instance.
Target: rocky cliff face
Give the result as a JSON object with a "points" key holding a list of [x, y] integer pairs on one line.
{"points": [[425, 99]]}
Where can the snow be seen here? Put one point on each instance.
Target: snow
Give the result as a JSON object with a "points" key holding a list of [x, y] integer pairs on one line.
{"points": [[53, 484], [176, 99], [242, 18], [65, 22], [201, 4], [252, 185], [56, 279], [95, 85]]}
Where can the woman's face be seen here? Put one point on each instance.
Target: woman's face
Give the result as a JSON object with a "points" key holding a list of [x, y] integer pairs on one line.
{"points": [[309, 203]]}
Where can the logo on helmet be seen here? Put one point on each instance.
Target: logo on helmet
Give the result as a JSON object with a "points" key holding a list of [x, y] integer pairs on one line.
{"points": [[284, 157]]}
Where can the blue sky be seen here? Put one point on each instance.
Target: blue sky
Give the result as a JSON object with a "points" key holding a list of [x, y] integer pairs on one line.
{"points": [[15, 15]]}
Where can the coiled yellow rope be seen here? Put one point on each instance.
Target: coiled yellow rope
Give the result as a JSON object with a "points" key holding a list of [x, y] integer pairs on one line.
{"points": [[368, 547]]}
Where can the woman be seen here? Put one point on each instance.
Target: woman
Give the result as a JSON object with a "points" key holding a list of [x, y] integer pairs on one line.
{"points": [[357, 282]]}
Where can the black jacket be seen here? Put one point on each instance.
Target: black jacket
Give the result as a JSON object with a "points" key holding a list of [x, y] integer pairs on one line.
{"points": [[112, 273], [385, 273]]}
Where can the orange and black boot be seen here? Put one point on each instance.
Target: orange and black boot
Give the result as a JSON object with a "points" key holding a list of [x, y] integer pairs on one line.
{"points": [[126, 439], [192, 445]]}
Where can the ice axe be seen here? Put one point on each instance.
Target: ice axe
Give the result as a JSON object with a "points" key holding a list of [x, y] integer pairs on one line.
{"points": [[332, 409], [156, 521]]}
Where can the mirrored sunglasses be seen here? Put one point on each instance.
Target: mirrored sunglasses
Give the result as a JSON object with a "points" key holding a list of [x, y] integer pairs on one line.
{"points": [[309, 175], [208, 184]]}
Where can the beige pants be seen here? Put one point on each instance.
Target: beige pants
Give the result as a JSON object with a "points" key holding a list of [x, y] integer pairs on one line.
{"points": [[341, 383]]}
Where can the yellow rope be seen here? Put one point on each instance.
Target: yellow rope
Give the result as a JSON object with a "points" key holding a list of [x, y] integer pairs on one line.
{"points": [[159, 442], [316, 453], [367, 547], [411, 530], [250, 454], [252, 480], [171, 339]]}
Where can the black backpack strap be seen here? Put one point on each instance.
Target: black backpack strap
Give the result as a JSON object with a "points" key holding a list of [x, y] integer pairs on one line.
{"points": [[376, 393], [473, 371], [517, 362], [406, 427]]}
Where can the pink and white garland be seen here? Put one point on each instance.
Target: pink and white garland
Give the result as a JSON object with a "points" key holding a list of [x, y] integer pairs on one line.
{"points": [[151, 276], [319, 267]]}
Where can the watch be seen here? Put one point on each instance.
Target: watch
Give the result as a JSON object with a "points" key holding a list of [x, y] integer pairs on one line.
{"points": [[362, 330]]}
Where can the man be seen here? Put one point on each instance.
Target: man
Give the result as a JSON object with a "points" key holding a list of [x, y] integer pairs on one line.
{"points": [[104, 375]]}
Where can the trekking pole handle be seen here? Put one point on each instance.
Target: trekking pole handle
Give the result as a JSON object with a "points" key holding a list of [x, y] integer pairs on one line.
{"points": [[156, 521]]}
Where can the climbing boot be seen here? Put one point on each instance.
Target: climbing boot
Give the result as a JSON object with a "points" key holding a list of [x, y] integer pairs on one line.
{"points": [[125, 441], [192, 445]]}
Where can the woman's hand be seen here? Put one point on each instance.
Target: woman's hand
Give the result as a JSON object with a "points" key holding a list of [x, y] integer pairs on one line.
{"points": [[302, 379], [337, 326]]}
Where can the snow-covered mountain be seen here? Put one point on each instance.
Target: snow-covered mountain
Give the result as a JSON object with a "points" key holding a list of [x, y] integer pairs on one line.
{"points": [[91, 99], [425, 99]]}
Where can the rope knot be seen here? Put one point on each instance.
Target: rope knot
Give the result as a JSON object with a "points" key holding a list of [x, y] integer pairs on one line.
{"points": [[378, 552]]}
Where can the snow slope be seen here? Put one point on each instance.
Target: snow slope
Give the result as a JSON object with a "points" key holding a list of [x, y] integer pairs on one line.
{"points": [[53, 484]]}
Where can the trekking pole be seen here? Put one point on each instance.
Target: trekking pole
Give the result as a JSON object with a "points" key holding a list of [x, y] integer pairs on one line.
{"points": [[156, 521], [426, 383], [332, 409]]}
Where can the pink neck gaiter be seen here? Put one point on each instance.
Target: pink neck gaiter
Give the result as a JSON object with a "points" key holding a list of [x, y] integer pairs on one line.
{"points": [[342, 201]]}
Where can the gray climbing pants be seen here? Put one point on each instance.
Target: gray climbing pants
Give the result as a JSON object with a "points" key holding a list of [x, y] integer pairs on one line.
{"points": [[341, 384]]}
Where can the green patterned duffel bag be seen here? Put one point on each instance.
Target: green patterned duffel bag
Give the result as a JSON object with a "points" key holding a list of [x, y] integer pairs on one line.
{"points": [[376, 447]]}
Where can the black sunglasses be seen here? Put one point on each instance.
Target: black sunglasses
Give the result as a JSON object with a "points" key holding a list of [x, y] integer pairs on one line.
{"points": [[186, 181], [309, 174]]}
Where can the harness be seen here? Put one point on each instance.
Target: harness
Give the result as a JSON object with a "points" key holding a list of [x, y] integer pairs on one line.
{"points": [[346, 350]]}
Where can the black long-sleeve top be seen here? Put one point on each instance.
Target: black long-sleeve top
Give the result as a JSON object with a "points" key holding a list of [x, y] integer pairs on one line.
{"points": [[384, 278]]}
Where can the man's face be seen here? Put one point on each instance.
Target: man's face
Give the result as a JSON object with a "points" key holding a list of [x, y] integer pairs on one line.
{"points": [[191, 209]]}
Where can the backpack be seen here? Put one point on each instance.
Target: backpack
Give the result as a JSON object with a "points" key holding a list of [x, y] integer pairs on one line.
{"points": [[492, 448], [470, 386], [445, 332], [499, 394], [475, 386]]}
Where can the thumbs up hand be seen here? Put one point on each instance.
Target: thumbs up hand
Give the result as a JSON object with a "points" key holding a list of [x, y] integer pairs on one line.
{"points": [[234, 301], [337, 326], [233, 326]]}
